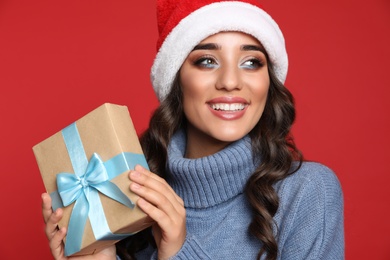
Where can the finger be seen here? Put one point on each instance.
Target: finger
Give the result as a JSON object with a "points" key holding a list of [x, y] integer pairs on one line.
{"points": [[52, 223], [163, 219], [157, 197], [46, 206], [154, 191], [149, 174], [145, 171], [173, 229], [158, 179], [151, 180], [57, 245], [161, 208]]}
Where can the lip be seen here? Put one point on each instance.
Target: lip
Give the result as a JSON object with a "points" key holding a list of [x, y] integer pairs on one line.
{"points": [[228, 115], [228, 100]]}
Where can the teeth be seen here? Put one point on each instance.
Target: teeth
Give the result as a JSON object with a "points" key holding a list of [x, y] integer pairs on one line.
{"points": [[228, 107]]}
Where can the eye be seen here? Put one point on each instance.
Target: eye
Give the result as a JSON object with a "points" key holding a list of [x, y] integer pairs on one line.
{"points": [[252, 64], [206, 62]]}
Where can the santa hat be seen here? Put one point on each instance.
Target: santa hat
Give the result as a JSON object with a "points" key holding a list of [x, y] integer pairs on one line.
{"points": [[183, 24]]}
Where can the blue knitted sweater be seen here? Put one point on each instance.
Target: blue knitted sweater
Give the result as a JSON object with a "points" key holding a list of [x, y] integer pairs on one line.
{"points": [[308, 223]]}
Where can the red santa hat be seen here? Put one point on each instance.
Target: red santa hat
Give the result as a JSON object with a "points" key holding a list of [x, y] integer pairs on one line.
{"points": [[183, 24]]}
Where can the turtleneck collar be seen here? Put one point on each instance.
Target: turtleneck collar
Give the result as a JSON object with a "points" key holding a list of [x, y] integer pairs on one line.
{"points": [[210, 180]]}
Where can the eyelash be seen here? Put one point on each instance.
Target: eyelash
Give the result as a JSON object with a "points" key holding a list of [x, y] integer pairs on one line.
{"points": [[211, 63], [255, 63], [199, 62]]}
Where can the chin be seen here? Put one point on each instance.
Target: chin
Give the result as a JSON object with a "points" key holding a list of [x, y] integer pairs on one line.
{"points": [[229, 136]]}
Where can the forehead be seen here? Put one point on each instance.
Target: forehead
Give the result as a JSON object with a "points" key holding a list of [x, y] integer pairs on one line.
{"points": [[231, 37]]}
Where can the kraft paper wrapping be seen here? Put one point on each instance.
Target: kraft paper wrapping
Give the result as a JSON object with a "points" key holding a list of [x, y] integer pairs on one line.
{"points": [[107, 131]]}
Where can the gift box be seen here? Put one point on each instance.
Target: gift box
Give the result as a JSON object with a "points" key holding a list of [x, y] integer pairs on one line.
{"points": [[85, 168]]}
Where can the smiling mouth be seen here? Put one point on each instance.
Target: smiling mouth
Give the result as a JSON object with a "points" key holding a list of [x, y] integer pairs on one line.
{"points": [[228, 107]]}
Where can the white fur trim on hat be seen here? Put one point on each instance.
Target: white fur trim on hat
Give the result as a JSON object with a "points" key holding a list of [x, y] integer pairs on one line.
{"points": [[209, 20]]}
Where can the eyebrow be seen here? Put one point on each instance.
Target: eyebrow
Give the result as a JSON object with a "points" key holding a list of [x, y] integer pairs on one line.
{"points": [[252, 48], [214, 46], [207, 46]]}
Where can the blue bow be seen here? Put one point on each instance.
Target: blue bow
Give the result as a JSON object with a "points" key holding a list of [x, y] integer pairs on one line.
{"points": [[71, 187]]}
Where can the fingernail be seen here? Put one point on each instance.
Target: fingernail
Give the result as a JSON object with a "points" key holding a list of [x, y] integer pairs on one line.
{"points": [[135, 186], [135, 174], [139, 167], [141, 202]]}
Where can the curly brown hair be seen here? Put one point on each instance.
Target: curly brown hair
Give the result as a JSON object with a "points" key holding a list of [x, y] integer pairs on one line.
{"points": [[271, 141]]}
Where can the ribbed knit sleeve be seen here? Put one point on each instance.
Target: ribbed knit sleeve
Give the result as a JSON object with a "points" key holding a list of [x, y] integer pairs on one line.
{"points": [[312, 223]]}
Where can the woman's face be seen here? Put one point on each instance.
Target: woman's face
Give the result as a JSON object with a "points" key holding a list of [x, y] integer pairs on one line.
{"points": [[225, 83]]}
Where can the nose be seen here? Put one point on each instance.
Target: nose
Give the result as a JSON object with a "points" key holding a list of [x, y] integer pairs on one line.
{"points": [[228, 78]]}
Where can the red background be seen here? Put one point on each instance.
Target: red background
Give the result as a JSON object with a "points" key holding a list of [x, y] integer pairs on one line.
{"points": [[61, 59]]}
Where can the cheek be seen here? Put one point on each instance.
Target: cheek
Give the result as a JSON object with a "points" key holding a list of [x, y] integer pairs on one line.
{"points": [[191, 100], [190, 95], [260, 96], [260, 90], [193, 90], [263, 96], [187, 84]]}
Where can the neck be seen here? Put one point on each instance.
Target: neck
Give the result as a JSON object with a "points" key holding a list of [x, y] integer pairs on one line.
{"points": [[201, 145], [210, 180]]}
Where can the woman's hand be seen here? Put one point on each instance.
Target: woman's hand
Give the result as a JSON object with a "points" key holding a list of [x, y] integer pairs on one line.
{"points": [[56, 235], [163, 205]]}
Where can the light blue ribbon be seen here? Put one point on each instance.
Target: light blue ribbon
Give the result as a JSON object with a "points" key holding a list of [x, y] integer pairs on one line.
{"points": [[82, 188]]}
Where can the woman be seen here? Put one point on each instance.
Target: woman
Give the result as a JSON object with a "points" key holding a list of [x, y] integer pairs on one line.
{"points": [[231, 181]]}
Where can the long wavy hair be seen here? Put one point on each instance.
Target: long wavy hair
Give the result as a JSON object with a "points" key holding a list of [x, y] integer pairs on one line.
{"points": [[272, 146]]}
